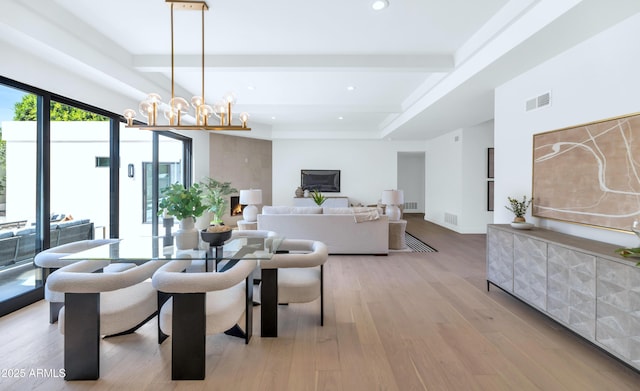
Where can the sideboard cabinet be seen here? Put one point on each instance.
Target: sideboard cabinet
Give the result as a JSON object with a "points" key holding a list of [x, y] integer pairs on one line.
{"points": [[580, 283]]}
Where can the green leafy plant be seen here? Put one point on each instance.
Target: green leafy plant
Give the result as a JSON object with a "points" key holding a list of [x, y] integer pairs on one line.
{"points": [[215, 196], [629, 253], [519, 208], [318, 198], [180, 202]]}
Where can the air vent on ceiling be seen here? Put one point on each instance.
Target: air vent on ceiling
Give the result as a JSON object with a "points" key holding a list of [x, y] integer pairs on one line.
{"points": [[538, 102]]}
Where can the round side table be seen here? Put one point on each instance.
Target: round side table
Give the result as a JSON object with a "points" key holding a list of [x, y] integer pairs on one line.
{"points": [[396, 234]]}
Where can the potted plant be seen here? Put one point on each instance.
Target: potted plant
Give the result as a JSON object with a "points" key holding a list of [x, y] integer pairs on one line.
{"points": [[185, 205], [318, 198], [216, 197], [519, 208]]}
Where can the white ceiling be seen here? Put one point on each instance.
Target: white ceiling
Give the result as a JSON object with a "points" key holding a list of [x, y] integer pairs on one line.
{"points": [[420, 67]]}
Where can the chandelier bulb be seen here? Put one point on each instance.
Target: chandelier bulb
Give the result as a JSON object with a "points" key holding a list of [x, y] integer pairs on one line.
{"points": [[229, 97], [244, 117], [205, 112], [197, 101], [129, 114], [170, 114], [179, 104], [154, 98]]}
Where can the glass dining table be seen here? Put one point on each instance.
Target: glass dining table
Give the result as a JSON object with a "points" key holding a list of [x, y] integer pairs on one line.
{"points": [[145, 249], [127, 253]]}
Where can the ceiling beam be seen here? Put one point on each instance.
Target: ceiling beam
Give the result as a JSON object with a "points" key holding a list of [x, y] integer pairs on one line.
{"points": [[399, 62]]}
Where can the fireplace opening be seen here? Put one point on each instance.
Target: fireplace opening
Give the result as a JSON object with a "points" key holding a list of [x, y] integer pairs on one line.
{"points": [[236, 207]]}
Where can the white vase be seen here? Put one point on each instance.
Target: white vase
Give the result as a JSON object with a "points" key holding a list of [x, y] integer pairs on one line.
{"points": [[187, 236]]}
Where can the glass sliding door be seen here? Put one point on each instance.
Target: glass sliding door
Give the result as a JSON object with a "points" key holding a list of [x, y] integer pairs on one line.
{"points": [[137, 179], [18, 171], [168, 173], [79, 168]]}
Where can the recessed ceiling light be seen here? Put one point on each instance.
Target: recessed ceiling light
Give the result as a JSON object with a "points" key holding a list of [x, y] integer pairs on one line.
{"points": [[378, 5], [340, 117], [251, 88], [350, 88], [273, 117]]}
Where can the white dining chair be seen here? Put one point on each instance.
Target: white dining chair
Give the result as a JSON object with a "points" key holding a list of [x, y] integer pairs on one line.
{"points": [[203, 304], [295, 274], [53, 258], [97, 304]]}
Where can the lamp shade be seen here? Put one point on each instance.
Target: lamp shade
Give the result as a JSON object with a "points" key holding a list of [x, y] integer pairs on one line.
{"points": [[251, 197], [392, 197]]}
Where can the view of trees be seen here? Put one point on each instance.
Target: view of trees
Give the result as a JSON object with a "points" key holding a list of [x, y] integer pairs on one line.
{"points": [[26, 110]]}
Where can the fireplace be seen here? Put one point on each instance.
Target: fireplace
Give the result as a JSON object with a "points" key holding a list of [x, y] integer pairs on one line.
{"points": [[235, 206]]}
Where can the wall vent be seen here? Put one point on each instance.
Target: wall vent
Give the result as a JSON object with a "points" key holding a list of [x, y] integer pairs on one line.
{"points": [[410, 205], [450, 218], [538, 102]]}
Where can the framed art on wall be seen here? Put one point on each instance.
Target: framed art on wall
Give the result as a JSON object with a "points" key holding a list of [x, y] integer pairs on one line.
{"points": [[589, 174], [490, 196], [489, 162]]}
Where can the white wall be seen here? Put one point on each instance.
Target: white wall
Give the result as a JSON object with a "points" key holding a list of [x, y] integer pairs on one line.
{"points": [[457, 179], [367, 166], [595, 80], [475, 142], [444, 178]]}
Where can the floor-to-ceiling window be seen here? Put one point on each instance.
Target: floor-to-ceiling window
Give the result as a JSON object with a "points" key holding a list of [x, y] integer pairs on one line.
{"points": [[63, 162], [79, 168], [18, 112]]}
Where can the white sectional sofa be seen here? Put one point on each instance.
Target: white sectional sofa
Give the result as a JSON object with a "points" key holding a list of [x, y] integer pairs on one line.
{"points": [[336, 227]]}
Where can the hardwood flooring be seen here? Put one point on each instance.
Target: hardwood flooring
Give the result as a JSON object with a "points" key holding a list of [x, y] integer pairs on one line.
{"points": [[408, 321]]}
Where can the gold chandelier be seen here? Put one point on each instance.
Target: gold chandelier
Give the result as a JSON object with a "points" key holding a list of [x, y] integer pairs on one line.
{"points": [[177, 106]]}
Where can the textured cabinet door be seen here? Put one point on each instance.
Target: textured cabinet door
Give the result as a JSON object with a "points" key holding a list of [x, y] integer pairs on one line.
{"points": [[500, 258], [618, 308], [571, 289], [530, 270]]}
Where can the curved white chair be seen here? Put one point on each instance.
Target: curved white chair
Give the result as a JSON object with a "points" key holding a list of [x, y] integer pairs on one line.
{"points": [[202, 304], [294, 275], [51, 260], [254, 234], [100, 304]]}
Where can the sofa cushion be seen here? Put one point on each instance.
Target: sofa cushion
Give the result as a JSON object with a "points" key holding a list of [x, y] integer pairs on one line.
{"points": [[6, 234], [352, 210], [26, 231], [289, 210], [337, 211]]}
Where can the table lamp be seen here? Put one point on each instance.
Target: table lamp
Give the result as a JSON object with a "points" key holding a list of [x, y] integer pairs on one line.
{"points": [[250, 198], [393, 198]]}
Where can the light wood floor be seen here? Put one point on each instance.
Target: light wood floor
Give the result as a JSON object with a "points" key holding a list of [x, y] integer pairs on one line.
{"points": [[408, 321]]}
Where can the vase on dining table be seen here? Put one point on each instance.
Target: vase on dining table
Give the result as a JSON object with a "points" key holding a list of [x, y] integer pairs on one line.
{"points": [[187, 235]]}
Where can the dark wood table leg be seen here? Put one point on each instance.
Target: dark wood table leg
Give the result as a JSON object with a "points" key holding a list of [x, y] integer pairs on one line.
{"points": [[269, 303], [248, 309], [188, 336], [162, 298], [82, 336]]}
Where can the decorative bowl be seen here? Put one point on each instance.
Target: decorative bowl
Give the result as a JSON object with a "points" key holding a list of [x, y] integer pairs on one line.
{"points": [[522, 225], [215, 238]]}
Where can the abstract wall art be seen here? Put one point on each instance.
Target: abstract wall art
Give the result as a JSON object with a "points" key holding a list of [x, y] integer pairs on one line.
{"points": [[589, 174]]}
